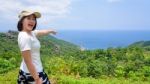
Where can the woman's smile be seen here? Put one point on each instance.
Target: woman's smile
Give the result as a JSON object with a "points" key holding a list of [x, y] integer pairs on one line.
{"points": [[31, 25]]}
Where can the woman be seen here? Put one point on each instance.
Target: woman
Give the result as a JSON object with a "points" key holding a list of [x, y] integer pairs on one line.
{"points": [[31, 70]]}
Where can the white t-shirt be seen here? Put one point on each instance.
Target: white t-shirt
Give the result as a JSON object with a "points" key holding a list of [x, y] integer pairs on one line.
{"points": [[30, 42]]}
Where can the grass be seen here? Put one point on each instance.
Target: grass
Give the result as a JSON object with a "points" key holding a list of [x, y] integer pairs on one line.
{"points": [[108, 80], [11, 77]]}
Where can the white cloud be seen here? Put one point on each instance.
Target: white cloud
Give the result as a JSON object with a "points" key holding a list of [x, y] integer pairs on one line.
{"points": [[50, 9]]}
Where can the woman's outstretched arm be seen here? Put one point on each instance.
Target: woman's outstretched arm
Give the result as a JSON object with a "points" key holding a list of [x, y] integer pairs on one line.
{"points": [[45, 32]]}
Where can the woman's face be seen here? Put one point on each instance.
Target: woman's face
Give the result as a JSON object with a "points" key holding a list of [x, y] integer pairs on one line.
{"points": [[29, 22]]}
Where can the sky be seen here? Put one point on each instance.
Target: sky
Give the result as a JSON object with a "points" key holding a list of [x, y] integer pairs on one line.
{"points": [[79, 14]]}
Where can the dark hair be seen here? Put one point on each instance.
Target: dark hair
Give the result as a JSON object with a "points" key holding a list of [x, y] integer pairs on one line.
{"points": [[20, 25]]}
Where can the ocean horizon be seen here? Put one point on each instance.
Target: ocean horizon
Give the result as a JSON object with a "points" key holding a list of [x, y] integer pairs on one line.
{"points": [[98, 39]]}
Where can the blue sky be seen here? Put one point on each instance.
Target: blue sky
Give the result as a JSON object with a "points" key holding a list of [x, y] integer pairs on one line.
{"points": [[80, 14]]}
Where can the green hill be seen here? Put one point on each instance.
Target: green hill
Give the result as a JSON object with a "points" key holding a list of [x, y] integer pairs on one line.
{"points": [[10, 53], [53, 44], [65, 63], [142, 44]]}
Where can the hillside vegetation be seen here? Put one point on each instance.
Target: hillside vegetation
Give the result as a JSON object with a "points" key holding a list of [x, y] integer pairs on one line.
{"points": [[142, 44], [65, 63]]}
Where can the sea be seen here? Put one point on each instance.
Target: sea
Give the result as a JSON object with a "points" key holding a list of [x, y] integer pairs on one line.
{"points": [[103, 39]]}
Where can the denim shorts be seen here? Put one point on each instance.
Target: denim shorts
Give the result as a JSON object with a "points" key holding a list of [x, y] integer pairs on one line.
{"points": [[26, 78]]}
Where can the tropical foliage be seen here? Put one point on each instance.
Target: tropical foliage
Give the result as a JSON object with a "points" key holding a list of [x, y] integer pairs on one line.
{"points": [[65, 63]]}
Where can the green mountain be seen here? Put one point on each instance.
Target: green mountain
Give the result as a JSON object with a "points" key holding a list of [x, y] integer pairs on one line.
{"points": [[141, 44], [49, 43], [65, 63], [10, 53]]}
